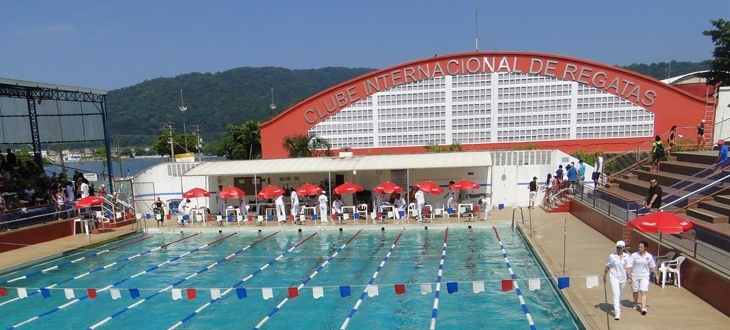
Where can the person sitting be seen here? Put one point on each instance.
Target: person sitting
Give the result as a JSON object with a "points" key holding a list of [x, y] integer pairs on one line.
{"points": [[399, 204], [337, 205]]}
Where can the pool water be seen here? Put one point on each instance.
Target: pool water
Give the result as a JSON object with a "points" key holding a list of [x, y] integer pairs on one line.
{"points": [[471, 255]]}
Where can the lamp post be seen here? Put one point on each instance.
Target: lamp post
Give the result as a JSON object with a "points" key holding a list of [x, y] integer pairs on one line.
{"points": [[183, 108]]}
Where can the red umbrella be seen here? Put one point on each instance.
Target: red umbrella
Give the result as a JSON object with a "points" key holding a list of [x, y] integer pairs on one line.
{"points": [[430, 187], [387, 187], [231, 192], [347, 188], [196, 192], [88, 201], [464, 185], [270, 192], [308, 189], [663, 222]]}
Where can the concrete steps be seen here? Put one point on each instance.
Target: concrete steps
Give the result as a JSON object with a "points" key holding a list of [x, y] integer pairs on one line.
{"points": [[707, 215]]}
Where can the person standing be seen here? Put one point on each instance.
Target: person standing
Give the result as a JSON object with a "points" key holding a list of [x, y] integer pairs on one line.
{"points": [[243, 208], [597, 168], [420, 202], [642, 263], [84, 188], [280, 209], [701, 136], [572, 177], [657, 152], [671, 141], [533, 192], [11, 159], [221, 201], [323, 207], [618, 268], [294, 198], [102, 191], [653, 196], [721, 160], [69, 192], [581, 175], [548, 188], [451, 198], [159, 207]]}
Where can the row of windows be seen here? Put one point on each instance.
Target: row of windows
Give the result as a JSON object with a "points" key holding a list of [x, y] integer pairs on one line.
{"points": [[413, 125], [472, 137], [521, 157], [351, 142], [472, 80], [558, 105], [412, 140], [514, 78], [412, 112], [351, 115], [348, 126], [538, 134], [472, 126], [614, 131], [428, 84], [472, 113], [615, 113]]}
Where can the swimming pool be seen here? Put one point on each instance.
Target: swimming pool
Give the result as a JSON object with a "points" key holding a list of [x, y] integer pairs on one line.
{"points": [[328, 259]]}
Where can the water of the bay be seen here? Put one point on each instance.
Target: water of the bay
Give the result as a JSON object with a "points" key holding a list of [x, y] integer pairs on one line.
{"points": [[129, 167]]}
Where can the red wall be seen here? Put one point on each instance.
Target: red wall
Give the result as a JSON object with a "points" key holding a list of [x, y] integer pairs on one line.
{"points": [[671, 106], [19, 238]]}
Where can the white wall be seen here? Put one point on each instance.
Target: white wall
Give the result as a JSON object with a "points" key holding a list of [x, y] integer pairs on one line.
{"points": [[722, 131]]}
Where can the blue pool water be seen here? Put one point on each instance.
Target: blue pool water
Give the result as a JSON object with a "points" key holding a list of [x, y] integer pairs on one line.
{"points": [[471, 255]]}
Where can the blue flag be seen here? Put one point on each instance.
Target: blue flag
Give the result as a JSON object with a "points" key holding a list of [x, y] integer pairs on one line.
{"points": [[344, 291], [563, 282], [452, 287], [46, 293], [241, 292], [134, 293]]}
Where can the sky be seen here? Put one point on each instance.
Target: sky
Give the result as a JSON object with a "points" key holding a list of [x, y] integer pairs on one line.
{"points": [[115, 44]]}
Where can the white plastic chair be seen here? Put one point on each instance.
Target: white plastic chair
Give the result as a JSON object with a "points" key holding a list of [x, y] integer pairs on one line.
{"points": [[412, 210], [440, 210], [666, 257], [671, 267], [362, 209]]}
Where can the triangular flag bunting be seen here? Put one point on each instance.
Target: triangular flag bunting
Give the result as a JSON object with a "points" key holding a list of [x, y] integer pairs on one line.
{"points": [[176, 294], [22, 293], [373, 290], [69, 293], [191, 294], [293, 293], [533, 284], [45, 292], [317, 292], [400, 289], [91, 293], [477, 286], [115, 294], [268, 293], [506, 285], [591, 281], [425, 288], [3, 291], [344, 291], [452, 287], [563, 282], [241, 293], [134, 293], [215, 293]]}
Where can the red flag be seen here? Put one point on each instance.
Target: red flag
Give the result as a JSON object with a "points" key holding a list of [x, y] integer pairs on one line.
{"points": [[191, 294], [400, 289], [168, 216], [293, 293], [506, 285], [91, 293], [3, 291]]}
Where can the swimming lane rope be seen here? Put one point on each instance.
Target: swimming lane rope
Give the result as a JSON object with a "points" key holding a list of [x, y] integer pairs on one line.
{"points": [[514, 281], [324, 264], [435, 310], [201, 308], [372, 279]]}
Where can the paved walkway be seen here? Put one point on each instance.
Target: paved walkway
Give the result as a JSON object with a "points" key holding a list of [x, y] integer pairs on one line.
{"points": [[587, 250]]}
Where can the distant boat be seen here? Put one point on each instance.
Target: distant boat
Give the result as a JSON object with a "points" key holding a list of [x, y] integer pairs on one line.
{"points": [[72, 158]]}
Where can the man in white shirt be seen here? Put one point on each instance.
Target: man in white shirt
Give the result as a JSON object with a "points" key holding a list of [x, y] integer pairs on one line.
{"points": [[69, 192], [323, 207], [399, 205], [183, 209], [294, 203], [280, 210], [619, 266], [451, 198], [84, 189], [420, 202]]}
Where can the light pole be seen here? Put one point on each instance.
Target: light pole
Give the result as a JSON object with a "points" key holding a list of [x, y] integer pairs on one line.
{"points": [[182, 108]]}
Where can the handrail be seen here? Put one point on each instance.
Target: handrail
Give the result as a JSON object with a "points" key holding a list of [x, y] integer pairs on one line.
{"points": [[701, 199], [638, 146], [697, 191]]}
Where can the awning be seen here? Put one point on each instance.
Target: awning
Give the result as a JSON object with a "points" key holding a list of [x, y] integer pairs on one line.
{"points": [[343, 164]]}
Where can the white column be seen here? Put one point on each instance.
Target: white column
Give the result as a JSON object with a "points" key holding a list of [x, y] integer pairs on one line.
{"points": [[573, 109], [447, 109], [376, 136], [495, 103]]}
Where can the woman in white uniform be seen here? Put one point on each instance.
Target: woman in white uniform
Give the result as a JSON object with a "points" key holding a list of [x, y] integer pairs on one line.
{"points": [[280, 209], [619, 266], [420, 202], [323, 207], [642, 263], [294, 198]]}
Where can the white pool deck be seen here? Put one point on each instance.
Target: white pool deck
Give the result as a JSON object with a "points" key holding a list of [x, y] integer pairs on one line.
{"points": [[586, 253]]}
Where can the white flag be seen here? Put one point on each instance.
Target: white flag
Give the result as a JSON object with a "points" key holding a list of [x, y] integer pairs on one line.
{"points": [[425, 288], [478, 286], [534, 284], [317, 292], [69, 293], [372, 290], [591, 281], [22, 293], [176, 294], [115, 294], [268, 293], [215, 293]]}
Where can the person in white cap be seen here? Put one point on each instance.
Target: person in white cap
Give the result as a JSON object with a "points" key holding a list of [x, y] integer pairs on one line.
{"points": [[618, 268]]}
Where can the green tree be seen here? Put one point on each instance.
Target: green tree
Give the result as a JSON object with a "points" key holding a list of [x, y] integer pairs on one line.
{"points": [[302, 145], [720, 65], [240, 142], [162, 143]]}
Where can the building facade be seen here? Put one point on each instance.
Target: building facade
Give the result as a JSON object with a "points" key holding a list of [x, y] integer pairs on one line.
{"points": [[488, 100]]}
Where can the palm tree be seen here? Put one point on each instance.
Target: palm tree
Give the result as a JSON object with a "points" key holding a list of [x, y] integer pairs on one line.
{"points": [[251, 136], [302, 145]]}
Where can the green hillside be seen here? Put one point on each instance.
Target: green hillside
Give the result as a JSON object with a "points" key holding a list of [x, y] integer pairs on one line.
{"points": [[662, 70]]}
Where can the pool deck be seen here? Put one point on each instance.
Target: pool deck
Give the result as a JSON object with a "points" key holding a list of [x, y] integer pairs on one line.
{"points": [[586, 254]]}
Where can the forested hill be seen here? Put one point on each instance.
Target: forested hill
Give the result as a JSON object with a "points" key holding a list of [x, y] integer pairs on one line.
{"points": [[136, 113]]}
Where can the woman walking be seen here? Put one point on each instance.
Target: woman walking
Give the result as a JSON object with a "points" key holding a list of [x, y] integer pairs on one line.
{"points": [[642, 263], [671, 141], [619, 266], [701, 136]]}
